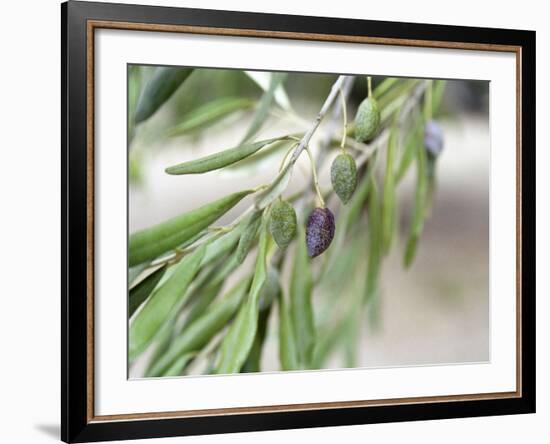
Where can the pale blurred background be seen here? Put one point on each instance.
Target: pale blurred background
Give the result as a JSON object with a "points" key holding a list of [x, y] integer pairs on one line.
{"points": [[437, 312]]}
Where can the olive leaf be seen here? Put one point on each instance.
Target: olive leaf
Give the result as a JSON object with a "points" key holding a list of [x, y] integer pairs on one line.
{"points": [[348, 218], [384, 86], [177, 367], [218, 160], [419, 211], [134, 86], [159, 88], [264, 104], [253, 360], [288, 352], [135, 272], [353, 324], [264, 157], [150, 243], [205, 297], [437, 94], [398, 91], [222, 244], [208, 114], [413, 142], [245, 234], [198, 333], [301, 310], [141, 291], [263, 80], [248, 236], [374, 241], [389, 198], [326, 342], [353, 210], [238, 340], [158, 307]]}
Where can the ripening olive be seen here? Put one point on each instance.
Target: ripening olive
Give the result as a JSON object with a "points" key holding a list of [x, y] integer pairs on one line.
{"points": [[433, 138], [282, 224], [343, 174], [319, 231], [367, 120]]}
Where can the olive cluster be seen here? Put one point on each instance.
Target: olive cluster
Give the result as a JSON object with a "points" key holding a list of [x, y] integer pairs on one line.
{"points": [[320, 224]]}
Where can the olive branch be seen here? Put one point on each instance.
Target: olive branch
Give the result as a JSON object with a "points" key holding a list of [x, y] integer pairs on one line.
{"points": [[179, 303]]}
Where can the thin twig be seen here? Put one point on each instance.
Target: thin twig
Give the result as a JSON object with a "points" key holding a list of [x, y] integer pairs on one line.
{"points": [[334, 122], [309, 134]]}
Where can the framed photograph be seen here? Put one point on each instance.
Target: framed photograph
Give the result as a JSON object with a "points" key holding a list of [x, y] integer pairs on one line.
{"points": [[275, 221]]}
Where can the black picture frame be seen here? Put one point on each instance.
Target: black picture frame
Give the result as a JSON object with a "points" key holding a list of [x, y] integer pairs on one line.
{"points": [[76, 326]]}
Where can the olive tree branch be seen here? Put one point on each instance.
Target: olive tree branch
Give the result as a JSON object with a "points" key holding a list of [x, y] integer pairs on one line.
{"points": [[343, 84]]}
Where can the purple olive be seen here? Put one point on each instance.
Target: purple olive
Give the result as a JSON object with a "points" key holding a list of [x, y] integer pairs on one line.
{"points": [[433, 138], [319, 231]]}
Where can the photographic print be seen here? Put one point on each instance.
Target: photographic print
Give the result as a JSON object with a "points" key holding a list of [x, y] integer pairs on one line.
{"points": [[292, 221], [344, 208]]}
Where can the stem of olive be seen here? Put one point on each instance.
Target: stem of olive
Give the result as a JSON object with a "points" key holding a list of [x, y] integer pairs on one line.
{"points": [[315, 179], [369, 85], [285, 157], [345, 117]]}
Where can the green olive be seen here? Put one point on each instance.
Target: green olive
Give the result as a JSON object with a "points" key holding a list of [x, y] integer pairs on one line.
{"points": [[367, 120], [343, 174], [282, 224]]}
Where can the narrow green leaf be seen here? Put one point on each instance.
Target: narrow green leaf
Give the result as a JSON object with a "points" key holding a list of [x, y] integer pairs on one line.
{"points": [[384, 86], [431, 163], [135, 272], [389, 200], [437, 95], [177, 367], [271, 288], [150, 243], [288, 352], [414, 140], [353, 325], [205, 277], [134, 86], [245, 235], [141, 291], [248, 236], [401, 88], [265, 157], [301, 310], [208, 114], [197, 334], [158, 307], [254, 358], [428, 101], [357, 203], [328, 339], [160, 87], [238, 340], [263, 79], [419, 211], [374, 241], [262, 111], [205, 296], [213, 278], [222, 244], [347, 221], [218, 160]]}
